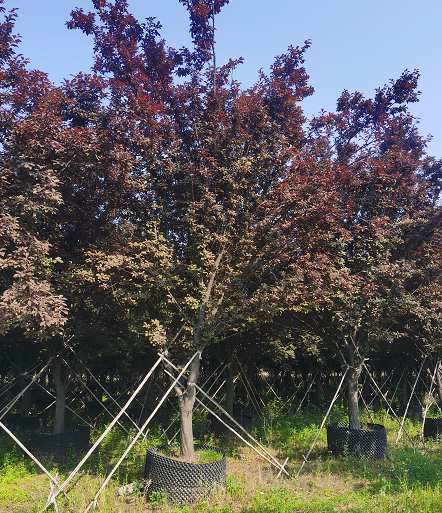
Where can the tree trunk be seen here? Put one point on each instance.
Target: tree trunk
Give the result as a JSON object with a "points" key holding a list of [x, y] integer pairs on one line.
{"points": [[60, 394], [151, 393], [186, 427], [229, 382], [186, 401], [25, 398], [404, 387], [25, 403], [439, 382], [352, 389], [318, 386]]}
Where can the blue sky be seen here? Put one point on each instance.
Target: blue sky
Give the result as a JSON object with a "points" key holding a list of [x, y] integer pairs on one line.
{"points": [[357, 45]]}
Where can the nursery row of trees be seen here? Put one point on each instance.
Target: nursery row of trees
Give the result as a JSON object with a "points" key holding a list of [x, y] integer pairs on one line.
{"points": [[155, 204]]}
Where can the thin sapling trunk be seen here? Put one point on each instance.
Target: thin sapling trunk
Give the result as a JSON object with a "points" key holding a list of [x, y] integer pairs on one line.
{"points": [[60, 394], [352, 389], [186, 401], [229, 381], [185, 391]]}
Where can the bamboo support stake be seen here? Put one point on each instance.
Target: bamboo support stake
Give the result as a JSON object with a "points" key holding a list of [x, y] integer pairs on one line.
{"points": [[434, 402], [33, 458], [110, 396], [17, 397], [394, 395], [111, 425], [282, 468], [67, 407], [176, 417], [94, 501], [382, 386], [421, 438], [104, 407], [51, 498], [289, 400], [249, 387], [276, 462], [382, 395], [366, 407], [386, 402], [7, 386], [308, 390], [305, 458], [408, 404]]}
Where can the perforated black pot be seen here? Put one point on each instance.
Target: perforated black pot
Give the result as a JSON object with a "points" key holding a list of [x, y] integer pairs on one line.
{"points": [[183, 482], [75, 440], [433, 428], [370, 441]]}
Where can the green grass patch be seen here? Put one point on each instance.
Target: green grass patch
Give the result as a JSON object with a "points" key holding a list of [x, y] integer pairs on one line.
{"points": [[408, 481]]}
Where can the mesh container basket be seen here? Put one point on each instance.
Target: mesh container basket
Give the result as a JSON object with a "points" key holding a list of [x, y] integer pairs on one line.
{"points": [[183, 482], [433, 428], [370, 441], [75, 440]]}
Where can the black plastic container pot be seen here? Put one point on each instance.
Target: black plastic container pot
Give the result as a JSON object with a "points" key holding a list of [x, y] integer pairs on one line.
{"points": [[370, 441], [48, 446], [433, 428], [183, 482]]}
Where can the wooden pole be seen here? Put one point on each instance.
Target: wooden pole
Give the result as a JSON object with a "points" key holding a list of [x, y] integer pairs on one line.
{"points": [[394, 395], [67, 407], [386, 402], [323, 422], [110, 396], [129, 447], [427, 404], [276, 462], [104, 407], [111, 425], [17, 397], [33, 458], [408, 404]]}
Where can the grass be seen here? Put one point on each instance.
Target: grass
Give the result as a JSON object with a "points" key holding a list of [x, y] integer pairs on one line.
{"points": [[408, 481], [201, 456]]}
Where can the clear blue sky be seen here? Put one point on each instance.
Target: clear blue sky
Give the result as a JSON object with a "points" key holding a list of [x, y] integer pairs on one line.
{"points": [[358, 45]]}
